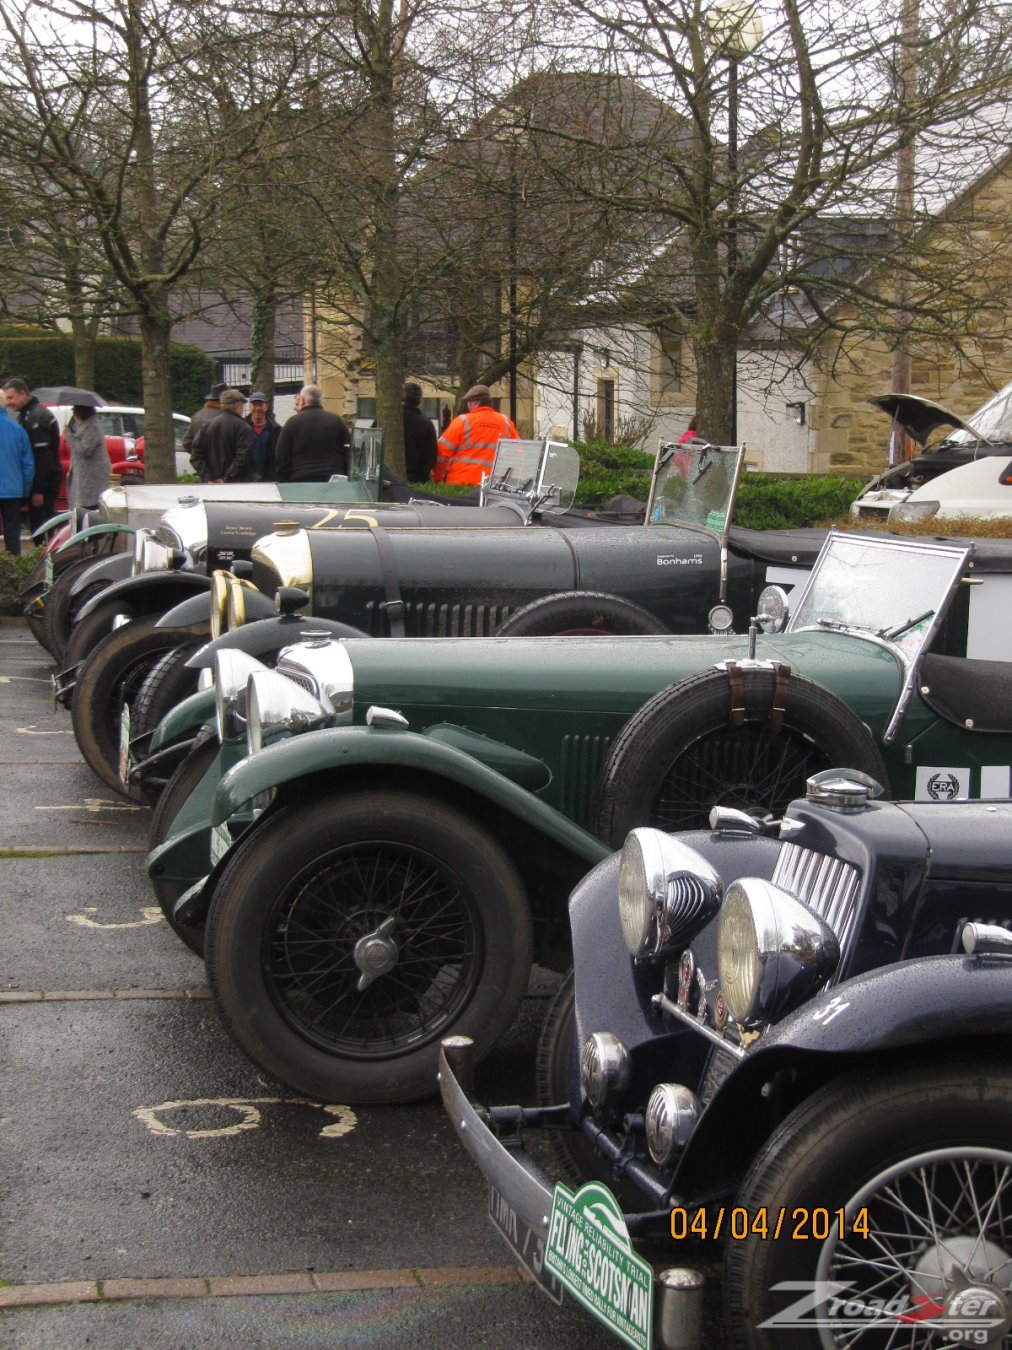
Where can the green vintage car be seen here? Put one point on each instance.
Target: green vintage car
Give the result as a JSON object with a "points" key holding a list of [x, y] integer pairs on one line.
{"points": [[404, 831]]}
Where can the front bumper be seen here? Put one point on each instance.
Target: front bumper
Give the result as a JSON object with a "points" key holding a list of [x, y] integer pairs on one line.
{"points": [[519, 1182]]}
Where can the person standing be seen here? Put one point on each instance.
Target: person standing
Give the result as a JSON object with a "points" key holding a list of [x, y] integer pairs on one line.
{"points": [[690, 433], [419, 437], [44, 434], [314, 444], [222, 450], [265, 437], [17, 470], [467, 446], [89, 460], [210, 410]]}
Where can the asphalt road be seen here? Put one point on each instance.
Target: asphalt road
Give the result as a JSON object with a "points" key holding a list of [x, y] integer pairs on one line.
{"points": [[157, 1190]]}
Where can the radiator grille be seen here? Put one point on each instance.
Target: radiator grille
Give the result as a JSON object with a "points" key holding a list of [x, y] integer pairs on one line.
{"points": [[582, 757], [439, 620], [827, 886]]}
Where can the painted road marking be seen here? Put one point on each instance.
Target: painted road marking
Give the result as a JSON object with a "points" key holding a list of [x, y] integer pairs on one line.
{"points": [[152, 914], [250, 1118], [32, 730], [94, 805]]}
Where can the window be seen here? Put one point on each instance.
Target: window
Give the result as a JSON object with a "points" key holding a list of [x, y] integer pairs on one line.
{"points": [[669, 365], [606, 409]]}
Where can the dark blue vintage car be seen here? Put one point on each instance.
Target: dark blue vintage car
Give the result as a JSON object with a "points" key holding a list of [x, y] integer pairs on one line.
{"points": [[786, 1042]]}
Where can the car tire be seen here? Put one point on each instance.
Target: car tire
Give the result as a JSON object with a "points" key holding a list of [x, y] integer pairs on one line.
{"points": [[176, 794], [334, 870], [923, 1152], [681, 754], [110, 677], [167, 683], [581, 614], [88, 632], [63, 605]]}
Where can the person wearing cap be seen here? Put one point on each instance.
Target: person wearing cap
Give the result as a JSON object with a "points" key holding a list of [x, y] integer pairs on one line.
{"points": [[222, 450], [467, 446], [207, 413], [314, 444], [419, 436], [265, 436]]}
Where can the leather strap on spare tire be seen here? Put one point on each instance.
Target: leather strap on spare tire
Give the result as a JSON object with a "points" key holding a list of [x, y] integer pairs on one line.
{"points": [[687, 750], [736, 679], [393, 605]]}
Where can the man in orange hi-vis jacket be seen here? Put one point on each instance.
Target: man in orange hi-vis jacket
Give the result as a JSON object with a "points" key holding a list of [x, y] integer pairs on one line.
{"points": [[467, 446]]}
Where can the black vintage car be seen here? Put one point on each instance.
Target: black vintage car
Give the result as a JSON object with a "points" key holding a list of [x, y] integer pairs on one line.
{"points": [[789, 1040]]}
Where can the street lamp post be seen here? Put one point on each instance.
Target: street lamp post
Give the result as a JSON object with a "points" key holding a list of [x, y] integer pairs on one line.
{"points": [[734, 29]]}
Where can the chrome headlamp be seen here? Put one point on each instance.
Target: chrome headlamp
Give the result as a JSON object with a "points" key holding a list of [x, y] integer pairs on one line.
{"points": [[671, 1116], [141, 537], [232, 670], [285, 558], [219, 602], [236, 605], [321, 665], [186, 524], [277, 707], [155, 556], [667, 892], [605, 1068], [772, 951]]}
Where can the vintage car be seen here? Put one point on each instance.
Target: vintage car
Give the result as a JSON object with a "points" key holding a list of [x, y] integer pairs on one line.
{"points": [[785, 1042], [986, 432], [410, 815], [87, 552], [120, 632]]}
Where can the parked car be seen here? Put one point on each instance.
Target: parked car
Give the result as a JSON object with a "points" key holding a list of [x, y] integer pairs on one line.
{"points": [[118, 634], [980, 490], [787, 1041], [986, 432], [346, 844]]}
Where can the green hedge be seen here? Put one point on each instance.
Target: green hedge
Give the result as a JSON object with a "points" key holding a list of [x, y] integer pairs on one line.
{"points": [[766, 502], [43, 358]]}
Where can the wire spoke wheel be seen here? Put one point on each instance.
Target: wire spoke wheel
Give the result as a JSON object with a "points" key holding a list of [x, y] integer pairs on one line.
{"points": [[431, 964], [748, 769], [937, 1255]]}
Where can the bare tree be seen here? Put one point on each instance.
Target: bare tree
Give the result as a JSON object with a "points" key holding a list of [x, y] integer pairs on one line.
{"points": [[139, 117], [790, 140]]}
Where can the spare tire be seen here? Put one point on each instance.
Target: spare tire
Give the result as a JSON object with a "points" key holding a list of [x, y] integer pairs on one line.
{"points": [[682, 752], [581, 614]]}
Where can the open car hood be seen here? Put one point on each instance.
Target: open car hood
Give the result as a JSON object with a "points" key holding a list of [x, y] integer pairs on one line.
{"points": [[919, 417]]}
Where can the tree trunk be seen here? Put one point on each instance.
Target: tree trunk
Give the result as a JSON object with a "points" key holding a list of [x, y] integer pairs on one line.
{"points": [[715, 366], [261, 368], [83, 338], [159, 441]]}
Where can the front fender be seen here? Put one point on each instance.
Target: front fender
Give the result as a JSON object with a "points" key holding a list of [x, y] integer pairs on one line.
{"points": [[900, 1005], [95, 532], [883, 1017], [269, 635], [342, 748], [194, 610], [150, 593], [116, 567], [193, 712]]}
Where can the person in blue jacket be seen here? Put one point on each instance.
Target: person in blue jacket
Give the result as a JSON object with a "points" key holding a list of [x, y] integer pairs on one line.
{"points": [[17, 471]]}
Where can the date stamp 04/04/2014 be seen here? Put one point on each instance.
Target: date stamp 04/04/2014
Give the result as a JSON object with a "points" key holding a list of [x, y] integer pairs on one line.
{"points": [[800, 1224]]}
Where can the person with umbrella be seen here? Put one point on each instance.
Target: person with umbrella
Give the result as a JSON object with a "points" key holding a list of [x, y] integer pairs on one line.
{"points": [[89, 459], [44, 434]]}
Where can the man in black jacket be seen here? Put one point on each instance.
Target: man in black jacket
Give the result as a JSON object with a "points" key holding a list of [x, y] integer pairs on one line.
{"points": [[222, 449], [313, 444], [44, 433], [265, 437], [419, 436]]}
